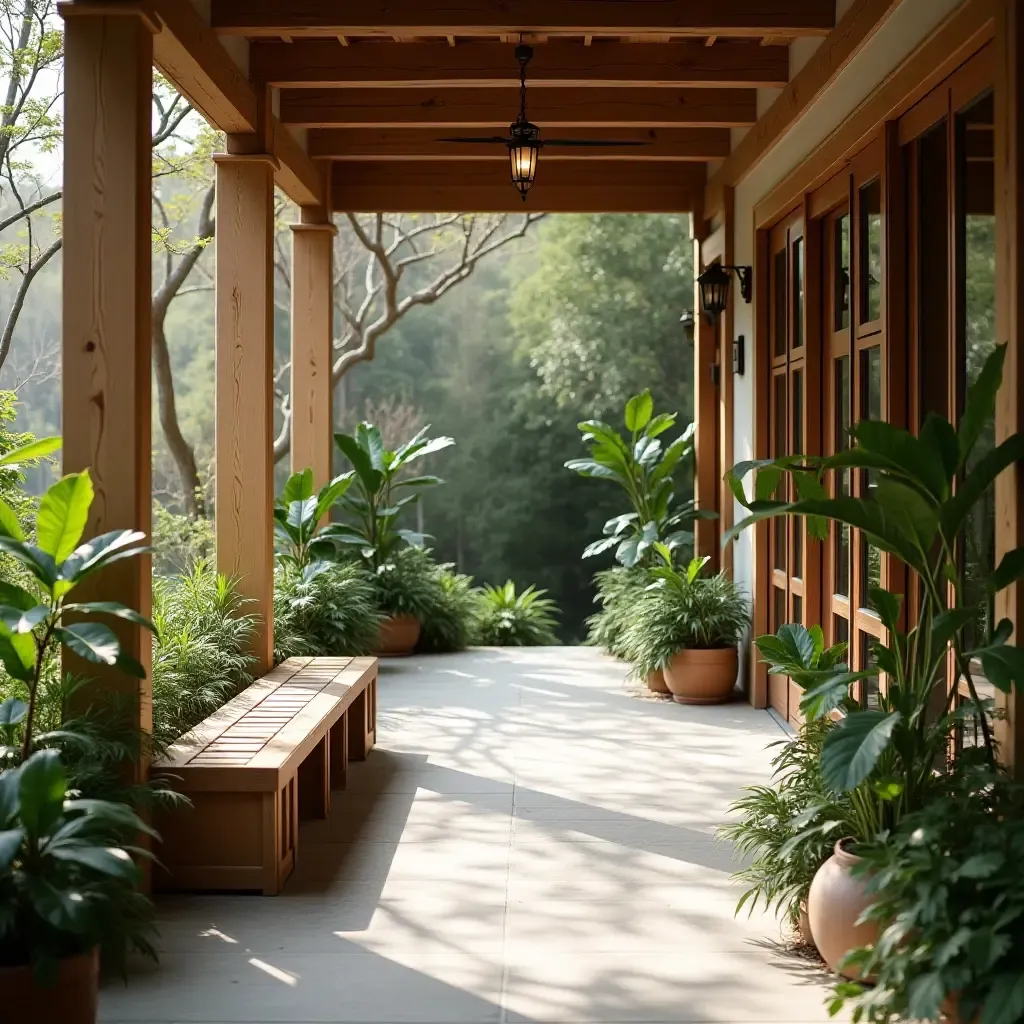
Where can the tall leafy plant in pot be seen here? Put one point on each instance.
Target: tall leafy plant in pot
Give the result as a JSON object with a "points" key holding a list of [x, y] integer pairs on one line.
{"points": [[925, 489], [643, 467]]}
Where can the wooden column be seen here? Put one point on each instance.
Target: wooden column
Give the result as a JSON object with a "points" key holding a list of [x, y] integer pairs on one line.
{"points": [[245, 362], [1009, 154], [312, 336], [106, 306]]}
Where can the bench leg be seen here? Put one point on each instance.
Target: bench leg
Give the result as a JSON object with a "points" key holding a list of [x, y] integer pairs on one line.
{"points": [[315, 782], [338, 739], [274, 825], [362, 723]]}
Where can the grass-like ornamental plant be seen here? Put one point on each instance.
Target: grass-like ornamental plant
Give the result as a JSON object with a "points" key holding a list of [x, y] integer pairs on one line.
{"points": [[926, 489], [449, 620], [325, 609], [787, 830], [508, 618], [68, 881], [683, 610], [618, 592], [948, 896]]}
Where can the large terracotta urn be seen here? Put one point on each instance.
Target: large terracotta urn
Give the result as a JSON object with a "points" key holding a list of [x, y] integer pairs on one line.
{"points": [[72, 999], [656, 682], [835, 902], [705, 676], [397, 636]]}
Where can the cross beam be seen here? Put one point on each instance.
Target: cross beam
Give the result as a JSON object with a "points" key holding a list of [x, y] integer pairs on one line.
{"points": [[414, 18]]}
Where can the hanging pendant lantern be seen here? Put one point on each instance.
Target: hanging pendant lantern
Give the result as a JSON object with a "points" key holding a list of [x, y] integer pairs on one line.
{"points": [[523, 147]]}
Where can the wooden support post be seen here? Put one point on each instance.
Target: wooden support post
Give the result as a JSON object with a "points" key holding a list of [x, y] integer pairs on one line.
{"points": [[1009, 159], [312, 337], [106, 411], [245, 378]]}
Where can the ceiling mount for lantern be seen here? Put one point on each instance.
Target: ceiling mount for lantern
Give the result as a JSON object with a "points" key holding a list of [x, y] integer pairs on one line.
{"points": [[714, 287], [524, 142]]}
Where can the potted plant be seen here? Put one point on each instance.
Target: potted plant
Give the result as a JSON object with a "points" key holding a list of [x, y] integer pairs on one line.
{"points": [[298, 513], [689, 625], [374, 505], [68, 888], [925, 490], [405, 589]]}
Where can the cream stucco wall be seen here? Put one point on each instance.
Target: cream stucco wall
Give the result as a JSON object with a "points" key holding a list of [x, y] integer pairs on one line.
{"points": [[909, 25]]}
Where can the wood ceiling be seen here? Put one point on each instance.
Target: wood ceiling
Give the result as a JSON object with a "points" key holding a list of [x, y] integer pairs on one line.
{"points": [[376, 83]]}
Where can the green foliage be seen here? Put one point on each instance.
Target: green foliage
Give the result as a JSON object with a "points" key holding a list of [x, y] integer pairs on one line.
{"points": [[618, 592], [68, 882], [926, 490], [375, 506], [787, 830], [297, 516], [511, 619], [201, 652], [644, 469], [449, 620], [180, 541], [324, 609], [680, 611], [406, 583], [948, 897]]}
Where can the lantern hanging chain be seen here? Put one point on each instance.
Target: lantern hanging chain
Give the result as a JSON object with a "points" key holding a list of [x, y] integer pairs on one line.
{"points": [[524, 54]]}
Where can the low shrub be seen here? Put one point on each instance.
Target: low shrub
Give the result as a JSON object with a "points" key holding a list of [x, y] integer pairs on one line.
{"points": [[328, 608], [201, 653], [618, 591], [405, 584], [449, 621], [511, 619]]}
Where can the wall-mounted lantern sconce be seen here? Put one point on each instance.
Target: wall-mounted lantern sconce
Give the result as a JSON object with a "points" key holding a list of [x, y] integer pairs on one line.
{"points": [[714, 288], [688, 323]]}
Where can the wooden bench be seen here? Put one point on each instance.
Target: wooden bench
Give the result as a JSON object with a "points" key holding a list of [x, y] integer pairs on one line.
{"points": [[267, 757]]}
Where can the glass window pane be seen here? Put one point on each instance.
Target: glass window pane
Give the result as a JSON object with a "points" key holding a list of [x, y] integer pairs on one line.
{"points": [[841, 531], [780, 448], [869, 689], [871, 408], [797, 396], [798, 294], [779, 608], [841, 284], [871, 252], [798, 608], [779, 300], [841, 631]]}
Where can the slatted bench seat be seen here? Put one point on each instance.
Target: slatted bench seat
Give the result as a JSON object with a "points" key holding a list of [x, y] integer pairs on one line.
{"points": [[267, 757]]}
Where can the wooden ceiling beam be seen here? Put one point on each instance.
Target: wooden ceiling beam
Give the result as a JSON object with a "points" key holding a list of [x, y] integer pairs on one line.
{"points": [[496, 108], [322, 63], [484, 187], [388, 18], [664, 144]]}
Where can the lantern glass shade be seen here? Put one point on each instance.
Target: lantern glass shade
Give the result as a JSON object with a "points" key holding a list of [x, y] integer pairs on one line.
{"points": [[522, 151], [714, 289]]}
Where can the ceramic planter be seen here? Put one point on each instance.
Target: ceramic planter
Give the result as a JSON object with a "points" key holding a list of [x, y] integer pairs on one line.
{"points": [[835, 902], [72, 1000], [656, 682], [397, 637], [702, 676]]}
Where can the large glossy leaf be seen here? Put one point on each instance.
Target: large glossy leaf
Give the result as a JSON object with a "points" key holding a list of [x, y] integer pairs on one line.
{"points": [[37, 561], [939, 441], [302, 513], [647, 451], [638, 411], [370, 478], [12, 712], [113, 608], [591, 468], [41, 788], [16, 597], [331, 494], [660, 423], [852, 748], [9, 525], [1004, 1003], [1004, 666], [10, 781], [596, 430], [63, 512], [956, 510], [911, 513], [18, 620], [18, 654], [980, 402], [420, 481], [106, 861], [10, 844], [673, 454], [37, 449], [298, 488], [600, 546], [824, 697], [436, 444], [903, 453], [91, 640], [1009, 570], [102, 551]]}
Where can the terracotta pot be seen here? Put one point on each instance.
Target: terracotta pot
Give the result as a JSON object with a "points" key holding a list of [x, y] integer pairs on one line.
{"points": [[803, 928], [397, 637], [950, 1010], [835, 902], [72, 1000], [656, 682], [703, 676]]}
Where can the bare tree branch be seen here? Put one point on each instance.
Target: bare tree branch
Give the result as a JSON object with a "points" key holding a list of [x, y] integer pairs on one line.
{"points": [[19, 299]]}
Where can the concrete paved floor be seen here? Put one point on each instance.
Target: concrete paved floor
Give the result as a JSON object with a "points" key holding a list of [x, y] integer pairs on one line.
{"points": [[532, 840]]}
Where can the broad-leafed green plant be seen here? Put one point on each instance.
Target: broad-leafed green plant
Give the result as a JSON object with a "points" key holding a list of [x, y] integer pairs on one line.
{"points": [[682, 610], [298, 513], [644, 469], [511, 618], [32, 617], [786, 831], [68, 880], [924, 490], [948, 896], [376, 501]]}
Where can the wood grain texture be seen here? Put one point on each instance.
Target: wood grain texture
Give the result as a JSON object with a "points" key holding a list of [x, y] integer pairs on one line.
{"points": [[414, 18], [106, 397], [244, 394], [449, 108], [308, 63], [861, 21], [312, 315], [660, 144], [1009, 170], [483, 186]]}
